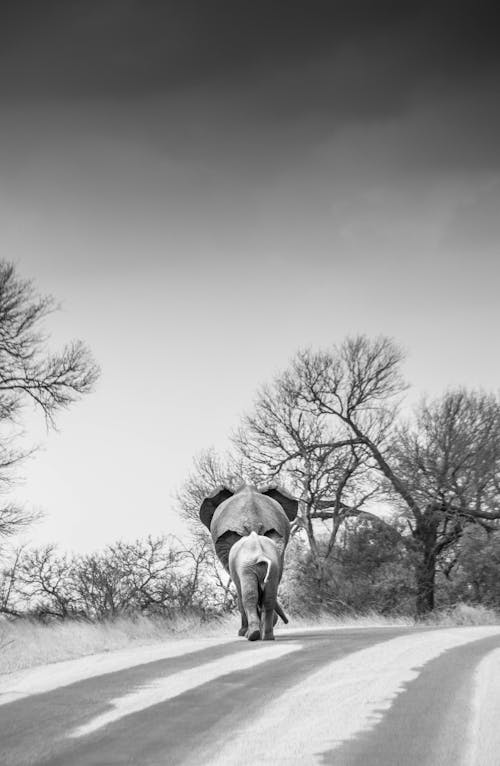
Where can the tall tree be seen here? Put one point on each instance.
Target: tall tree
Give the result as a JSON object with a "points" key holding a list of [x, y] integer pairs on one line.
{"points": [[30, 373], [443, 470], [325, 469]]}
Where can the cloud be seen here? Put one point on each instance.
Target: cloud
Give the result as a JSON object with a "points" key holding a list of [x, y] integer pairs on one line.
{"points": [[474, 230], [124, 48], [227, 109]]}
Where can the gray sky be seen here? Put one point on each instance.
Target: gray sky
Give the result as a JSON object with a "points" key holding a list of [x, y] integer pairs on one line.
{"points": [[206, 187]]}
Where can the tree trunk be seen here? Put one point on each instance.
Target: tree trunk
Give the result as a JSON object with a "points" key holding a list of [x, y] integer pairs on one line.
{"points": [[425, 535]]}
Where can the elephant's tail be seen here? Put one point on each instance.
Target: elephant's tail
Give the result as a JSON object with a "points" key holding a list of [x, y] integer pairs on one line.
{"points": [[265, 560], [277, 608]]}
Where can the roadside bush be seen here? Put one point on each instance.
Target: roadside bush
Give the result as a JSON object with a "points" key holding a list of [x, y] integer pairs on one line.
{"points": [[368, 570], [475, 572], [156, 577]]}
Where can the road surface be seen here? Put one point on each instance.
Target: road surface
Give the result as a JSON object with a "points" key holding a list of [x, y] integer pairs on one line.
{"points": [[351, 697]]}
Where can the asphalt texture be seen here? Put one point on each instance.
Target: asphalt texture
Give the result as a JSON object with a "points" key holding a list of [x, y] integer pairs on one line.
{"points": [[425, 725]]}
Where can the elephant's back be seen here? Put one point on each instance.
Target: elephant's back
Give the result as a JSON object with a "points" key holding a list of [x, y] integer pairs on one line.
{"points": [[249, 512]]}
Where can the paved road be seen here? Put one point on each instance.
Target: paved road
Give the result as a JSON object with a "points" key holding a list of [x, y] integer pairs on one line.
{"points": [[351, 697]]}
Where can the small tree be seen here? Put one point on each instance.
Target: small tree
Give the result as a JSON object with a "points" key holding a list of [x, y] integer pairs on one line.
{"points": [[29, 373], [44, 584], [368, 571], [154, 577]]}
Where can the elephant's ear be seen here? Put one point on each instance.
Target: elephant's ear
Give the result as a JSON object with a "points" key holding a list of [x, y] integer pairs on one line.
{"points": [[211, 503], [289, 504]]}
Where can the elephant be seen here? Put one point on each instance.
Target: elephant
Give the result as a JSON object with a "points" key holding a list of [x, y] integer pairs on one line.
{"points": [[255, 566], [231, 516]]}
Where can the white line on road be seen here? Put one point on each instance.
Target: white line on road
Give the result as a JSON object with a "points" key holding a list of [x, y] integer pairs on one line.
{"points": [[484, 746], [167, 687], [46, 678], [334, 704]]}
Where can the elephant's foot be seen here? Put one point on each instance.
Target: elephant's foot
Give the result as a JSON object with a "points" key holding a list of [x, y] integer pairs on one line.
{"points": [[253, 634], [268, 637], [242, 631]]}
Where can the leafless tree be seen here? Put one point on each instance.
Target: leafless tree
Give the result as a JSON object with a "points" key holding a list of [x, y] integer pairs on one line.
{"points": [[317, 459], [29, 372], [155, 576], [13, 518], [139, 577], [443, 471], [44, 584]]}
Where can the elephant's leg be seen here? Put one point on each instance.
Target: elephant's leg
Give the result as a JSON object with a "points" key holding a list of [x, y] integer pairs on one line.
{"points": [[223, 545], [269, 616], [244, 621], [268, 624], [250, 599]]}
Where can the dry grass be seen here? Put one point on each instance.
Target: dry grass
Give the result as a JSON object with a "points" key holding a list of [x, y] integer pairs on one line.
{"points": [[25, 643], [462, 615], [367, 620]]}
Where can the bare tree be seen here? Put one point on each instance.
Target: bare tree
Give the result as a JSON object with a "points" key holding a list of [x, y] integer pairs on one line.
{"points": [[44, 584], [13, 518], [443, 472], [155, 576], [127, 578], [30, 373], [318, 460]]}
